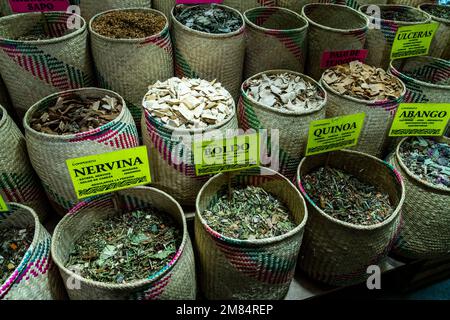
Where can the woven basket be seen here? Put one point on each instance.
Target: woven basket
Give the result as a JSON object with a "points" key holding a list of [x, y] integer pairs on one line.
{"points": [[332, 28], [34, 69], [4, 96], [379, 114], [18, 181], [90, 8], [171, 160], [36, 278], [127, 66], [164, 6], [412, 3], [176, 281], [440, 47], [233, 269], [379, 41], [48, 153], [244, 5], [336, 252], [209, 56], [293, 126], [432, 69], [274, 32], [426, 230]]}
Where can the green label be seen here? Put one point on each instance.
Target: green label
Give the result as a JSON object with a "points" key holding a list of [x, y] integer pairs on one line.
{"points": [[3, 206], [222, 155], [108, 172], [413, 40], [334, 134], [420, 119]]}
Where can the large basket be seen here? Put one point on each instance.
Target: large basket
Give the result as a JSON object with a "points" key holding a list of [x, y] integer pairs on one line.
{"points": [[336, 252], [293, 126], [440, 47], [18, 181], [426, 214], [244, 5], [274, 32], [36, 278], [210, 56], [176, 281], [34, 69], [48, 153], [90, 8], [127, 66], [249, 269]]}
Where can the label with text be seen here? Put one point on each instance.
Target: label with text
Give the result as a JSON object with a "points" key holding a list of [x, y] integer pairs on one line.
{"points": [[334, 134], [413, 40], [420, 119], [198, 1], [223, 155], [334, 58], [22, 6], [108, 172], [3, 206]]}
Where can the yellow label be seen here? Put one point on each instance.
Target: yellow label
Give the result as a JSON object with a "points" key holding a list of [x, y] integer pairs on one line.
{"points": [[108, 172], [420, 119], [413, 40], [222, 155], [334, 134], [3, 206]]}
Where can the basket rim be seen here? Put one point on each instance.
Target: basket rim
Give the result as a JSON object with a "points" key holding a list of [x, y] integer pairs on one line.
{"points": [[336, 30], [47, 41], [399, 22], [36, 106], [393, 69], [217, 36], [147, 113], [134, 284], [128, 40], [399, 99], [433, 17], [280, 111], [257, 242], [410, 173], [353, 226], [276, 9], [27, 255], [3, 116]]}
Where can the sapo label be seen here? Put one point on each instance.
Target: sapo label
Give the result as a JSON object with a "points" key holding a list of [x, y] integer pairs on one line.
{"points": [[420, 119], [334, 134], [223, 155], [22, 6], [413, 40], [3, 206], [108, 172]]}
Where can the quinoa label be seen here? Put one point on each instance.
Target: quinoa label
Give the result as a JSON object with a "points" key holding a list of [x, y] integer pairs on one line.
{"points": [[108, 172], [413, 40], [22, 6], [420, 119], [334, 134], [334, 58], [222, 155], [3, 206], [198, 1]]}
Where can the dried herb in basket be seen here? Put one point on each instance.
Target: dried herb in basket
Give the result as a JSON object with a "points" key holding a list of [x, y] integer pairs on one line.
{"points": [[14, 243], [345, 197], [75, 115], [248, 214], [427, 159], [126, 248]]}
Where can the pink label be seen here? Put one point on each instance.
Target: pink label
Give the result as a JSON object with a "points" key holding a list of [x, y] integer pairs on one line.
{"points": [[198, 1], [334, 58], [21, 6]]}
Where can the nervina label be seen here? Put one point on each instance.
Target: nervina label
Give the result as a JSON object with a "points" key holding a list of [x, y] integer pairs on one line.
{"points": [[108, 172], [334, 134]]}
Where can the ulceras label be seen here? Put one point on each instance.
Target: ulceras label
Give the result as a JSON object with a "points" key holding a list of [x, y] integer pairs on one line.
{"points": [[108, 172], [22, 6], [222, 155], [420, 119], [334, 58], [334, 134], [413, 40], [3, 206]]}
